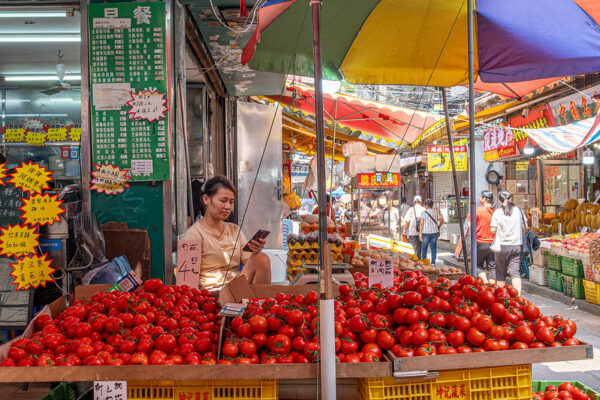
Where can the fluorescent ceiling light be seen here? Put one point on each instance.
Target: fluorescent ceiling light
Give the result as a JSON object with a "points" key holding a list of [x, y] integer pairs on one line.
{"points": [[38, 39], [27, 78], [34, 14], [37, 115], [16, 101]]}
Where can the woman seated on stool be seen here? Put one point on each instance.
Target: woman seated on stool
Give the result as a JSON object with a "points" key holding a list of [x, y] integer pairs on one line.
{"points": [[221, 242]]}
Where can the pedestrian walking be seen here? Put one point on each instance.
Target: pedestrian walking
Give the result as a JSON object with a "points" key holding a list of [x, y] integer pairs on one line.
{"points": [[508, 223], [411, 225], [429, 230], [486, 259]]}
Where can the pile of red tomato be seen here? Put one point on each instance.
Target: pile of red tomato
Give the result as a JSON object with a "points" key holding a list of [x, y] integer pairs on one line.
{"points": [[565, 390], [415, 318], [159, 325], [420, 318], [166, 325]]}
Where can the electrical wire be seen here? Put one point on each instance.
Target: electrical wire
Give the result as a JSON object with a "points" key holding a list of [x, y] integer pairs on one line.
{"points": [[253, 13]]}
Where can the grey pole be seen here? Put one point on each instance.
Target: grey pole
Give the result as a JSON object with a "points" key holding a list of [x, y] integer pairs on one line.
{"points": [[472, 194], [455, 179]]}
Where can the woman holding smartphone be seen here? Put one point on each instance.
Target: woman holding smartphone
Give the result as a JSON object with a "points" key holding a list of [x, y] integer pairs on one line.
{"points": [[222, 242]]}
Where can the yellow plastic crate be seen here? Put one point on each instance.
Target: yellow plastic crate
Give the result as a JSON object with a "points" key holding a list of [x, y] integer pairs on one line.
{"points": [[592, 291], [203, 390], [508, 383]]}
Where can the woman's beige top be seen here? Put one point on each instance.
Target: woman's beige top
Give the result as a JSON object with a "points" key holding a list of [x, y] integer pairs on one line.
{"points": [[217, 250]]}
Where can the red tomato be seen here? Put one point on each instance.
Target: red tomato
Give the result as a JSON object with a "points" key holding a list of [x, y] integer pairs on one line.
{"points": [[545, 335], [279, 344], [475, 337]]}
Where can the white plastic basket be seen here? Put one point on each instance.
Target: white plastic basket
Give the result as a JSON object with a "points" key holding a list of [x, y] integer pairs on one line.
{"points": [[538, 275]]}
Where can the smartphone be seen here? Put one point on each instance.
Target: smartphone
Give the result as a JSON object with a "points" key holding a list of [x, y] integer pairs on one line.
{"points": [[260, 234]]}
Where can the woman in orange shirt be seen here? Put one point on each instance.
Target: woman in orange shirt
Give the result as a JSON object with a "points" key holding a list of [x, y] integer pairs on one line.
{"points": [[221, 242]]}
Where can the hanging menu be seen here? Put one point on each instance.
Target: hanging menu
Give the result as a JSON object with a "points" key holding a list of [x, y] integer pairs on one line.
{"points": [[128, 75]]}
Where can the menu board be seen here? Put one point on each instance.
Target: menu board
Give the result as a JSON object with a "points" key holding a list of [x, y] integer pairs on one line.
{"points": [[11, 199], [128, 75]]}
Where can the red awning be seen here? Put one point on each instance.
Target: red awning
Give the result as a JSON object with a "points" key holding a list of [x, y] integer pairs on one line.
{"points": [[514, 90], [378, 119]]}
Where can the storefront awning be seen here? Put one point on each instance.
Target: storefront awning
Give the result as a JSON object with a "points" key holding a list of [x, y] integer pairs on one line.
{"points": [[390, 122], [562, 139]]}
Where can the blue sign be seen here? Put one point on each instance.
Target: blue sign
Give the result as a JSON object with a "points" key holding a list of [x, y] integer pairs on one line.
{"points": [[74, 155], [50, 244]]}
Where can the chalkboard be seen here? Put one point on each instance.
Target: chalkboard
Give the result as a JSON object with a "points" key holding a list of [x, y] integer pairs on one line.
{"points": [[128, 74], [141, 207], [10, 201]]}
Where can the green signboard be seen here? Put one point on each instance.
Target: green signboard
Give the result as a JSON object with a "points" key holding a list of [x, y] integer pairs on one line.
{"points": [[128, 77]]}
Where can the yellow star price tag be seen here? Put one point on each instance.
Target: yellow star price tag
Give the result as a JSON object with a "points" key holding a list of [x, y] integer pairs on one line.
{"points": [[109, 179], [42, 209], [32, 272], [57, 135], [2, 173], [75, 134], [14, 135], [35, 138], [31, 178], [18, 240]]}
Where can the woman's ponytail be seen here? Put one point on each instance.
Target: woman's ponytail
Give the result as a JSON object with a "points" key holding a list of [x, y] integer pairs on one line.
{"points": [[505, 199]]}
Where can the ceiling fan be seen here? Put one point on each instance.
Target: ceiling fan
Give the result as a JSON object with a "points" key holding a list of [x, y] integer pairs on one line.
{"points": [[61, 71]]}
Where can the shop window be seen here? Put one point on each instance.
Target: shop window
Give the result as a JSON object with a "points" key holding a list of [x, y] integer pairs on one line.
{"points": [[520, 180], [561, 183]]}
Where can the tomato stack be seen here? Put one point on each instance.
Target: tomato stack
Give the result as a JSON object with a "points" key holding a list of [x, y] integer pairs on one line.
{"points": [[158, 325], [565, 390], [442, 317]]}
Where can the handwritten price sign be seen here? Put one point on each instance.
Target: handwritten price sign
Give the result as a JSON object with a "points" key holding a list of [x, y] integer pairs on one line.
{"points": [[42, 209], [109, 179], [14, 135], [188, 263], [35, 138], [381, 271], [31, 178], [57, 135], [110, 390], [147, 105], [18, 240], [75, 134], [31, 272]]}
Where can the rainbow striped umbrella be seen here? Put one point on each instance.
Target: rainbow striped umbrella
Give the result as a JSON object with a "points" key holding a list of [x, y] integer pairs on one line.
{"points": [[424, 42]]}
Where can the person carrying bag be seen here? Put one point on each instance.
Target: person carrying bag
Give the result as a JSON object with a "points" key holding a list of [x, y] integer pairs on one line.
{"points": [[429, 230]]}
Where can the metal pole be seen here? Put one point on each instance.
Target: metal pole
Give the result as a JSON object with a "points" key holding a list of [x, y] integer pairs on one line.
{"points": [[455, 179], [472, 194], [327, 372]]}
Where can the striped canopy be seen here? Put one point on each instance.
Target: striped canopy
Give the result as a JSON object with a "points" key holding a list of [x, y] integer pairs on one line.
{"points": [[425, 42]]}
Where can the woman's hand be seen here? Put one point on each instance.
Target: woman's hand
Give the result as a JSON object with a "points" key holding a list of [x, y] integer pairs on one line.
{"points": [[256, 246]]}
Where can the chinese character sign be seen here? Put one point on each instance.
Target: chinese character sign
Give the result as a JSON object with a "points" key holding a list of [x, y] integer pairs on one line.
{"points": [[188, 263], [381, 271], [18, 240], [31, 178], [498, 143], [31, 272], [450, 391], [129, 79], [378, 180], [110, 390], [42, 209], [438, 158], [192, 394], [109, 179]]}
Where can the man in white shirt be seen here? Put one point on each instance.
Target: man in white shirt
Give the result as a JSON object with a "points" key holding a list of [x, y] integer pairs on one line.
{"points": [[411, 224]]}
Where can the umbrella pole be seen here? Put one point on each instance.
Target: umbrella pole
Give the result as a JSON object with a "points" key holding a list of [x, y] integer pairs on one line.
{"points": [[326, 325], [472, 194], [455, 179]]}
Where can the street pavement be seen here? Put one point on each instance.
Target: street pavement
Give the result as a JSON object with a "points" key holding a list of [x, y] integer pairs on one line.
{"points": [[587, 318]]}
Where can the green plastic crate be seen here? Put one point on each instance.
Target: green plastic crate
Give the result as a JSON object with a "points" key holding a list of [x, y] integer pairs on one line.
{"points": [[572, 267], [64, 391], [553, 261], [554, 280], [538, 386], [573, 287]]}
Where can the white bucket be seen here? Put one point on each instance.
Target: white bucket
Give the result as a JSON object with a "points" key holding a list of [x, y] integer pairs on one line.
{"points": [[278, 260]]}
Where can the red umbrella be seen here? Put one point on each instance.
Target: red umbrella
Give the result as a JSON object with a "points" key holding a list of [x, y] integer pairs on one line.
{"points": [[383, 120]]}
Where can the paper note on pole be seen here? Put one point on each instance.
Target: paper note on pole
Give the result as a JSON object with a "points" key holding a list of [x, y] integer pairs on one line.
{"points": [[188, 263], [113, 390], [381, 271]]}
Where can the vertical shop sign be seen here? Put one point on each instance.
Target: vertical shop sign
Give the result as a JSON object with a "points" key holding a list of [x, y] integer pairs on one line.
{"points": [[498, 143], [128, 75]]}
